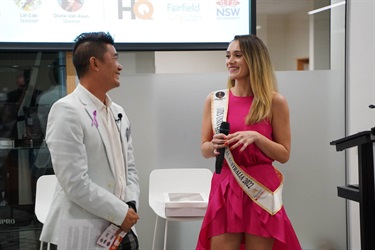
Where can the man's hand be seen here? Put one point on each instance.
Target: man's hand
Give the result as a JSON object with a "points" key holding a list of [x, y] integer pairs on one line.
{"points": [[130, 220]]}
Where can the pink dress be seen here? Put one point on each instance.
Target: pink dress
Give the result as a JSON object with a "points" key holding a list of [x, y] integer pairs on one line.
{"points": [[230, 210]]}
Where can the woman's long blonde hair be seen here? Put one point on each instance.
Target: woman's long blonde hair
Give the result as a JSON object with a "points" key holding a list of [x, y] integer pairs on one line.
{"points": [[262, 77]]}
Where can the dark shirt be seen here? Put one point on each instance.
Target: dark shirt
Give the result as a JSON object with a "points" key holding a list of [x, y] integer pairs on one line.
{"points": [[17, 95]]}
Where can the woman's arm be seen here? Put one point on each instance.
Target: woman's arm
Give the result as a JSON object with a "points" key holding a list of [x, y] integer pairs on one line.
{"points": [[279, 148], [207, 148]]}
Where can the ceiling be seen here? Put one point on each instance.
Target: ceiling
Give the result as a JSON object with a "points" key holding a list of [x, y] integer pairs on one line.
{"points": [[284, 7]]}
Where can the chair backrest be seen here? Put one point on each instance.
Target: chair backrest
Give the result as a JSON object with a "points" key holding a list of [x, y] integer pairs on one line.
{"points": [[195, 180], [45, 188]]}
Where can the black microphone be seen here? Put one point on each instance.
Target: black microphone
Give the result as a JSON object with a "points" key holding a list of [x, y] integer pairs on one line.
{"points": [[371, 106], [119, 117], [224, 129]]}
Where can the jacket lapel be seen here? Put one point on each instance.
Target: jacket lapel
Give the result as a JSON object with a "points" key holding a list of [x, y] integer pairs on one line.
{"points": [[90, 109]]}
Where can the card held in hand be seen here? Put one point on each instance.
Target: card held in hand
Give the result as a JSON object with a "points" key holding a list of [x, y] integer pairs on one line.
{"points": [[111, 238]]}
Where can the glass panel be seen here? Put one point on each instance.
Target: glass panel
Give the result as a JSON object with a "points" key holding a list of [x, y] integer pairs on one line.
{"points": [[29, 84], [303, 35]]}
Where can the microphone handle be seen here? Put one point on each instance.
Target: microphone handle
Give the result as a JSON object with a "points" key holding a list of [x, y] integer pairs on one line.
{"points": [[219, 161], [220, 158]]}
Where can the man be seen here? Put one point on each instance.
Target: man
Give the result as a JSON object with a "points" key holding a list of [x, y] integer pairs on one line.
{"points": [[18, 95], [91, 148]]}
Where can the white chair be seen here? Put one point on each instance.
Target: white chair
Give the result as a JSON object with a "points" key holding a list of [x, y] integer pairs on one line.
{"points": [[196, 180], [45, 188]]}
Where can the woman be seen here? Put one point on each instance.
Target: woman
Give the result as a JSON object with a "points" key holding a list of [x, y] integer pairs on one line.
{"points": [[245, 210]]}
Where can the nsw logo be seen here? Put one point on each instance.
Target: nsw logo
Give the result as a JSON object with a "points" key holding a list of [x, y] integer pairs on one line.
{"points": [[228, 9]]}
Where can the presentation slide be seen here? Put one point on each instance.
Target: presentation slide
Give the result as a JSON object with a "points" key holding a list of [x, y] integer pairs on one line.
{"points": [[128, 21]]}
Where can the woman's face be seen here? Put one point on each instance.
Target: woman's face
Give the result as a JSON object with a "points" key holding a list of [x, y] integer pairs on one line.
{"points": [[235, 62]]}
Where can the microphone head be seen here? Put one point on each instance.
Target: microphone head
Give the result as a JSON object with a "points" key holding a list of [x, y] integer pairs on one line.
{"points": [[224, 128], [119, 116]]}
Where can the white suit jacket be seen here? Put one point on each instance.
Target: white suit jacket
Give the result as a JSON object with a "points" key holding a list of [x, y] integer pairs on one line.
{"points": [[81, 159]]}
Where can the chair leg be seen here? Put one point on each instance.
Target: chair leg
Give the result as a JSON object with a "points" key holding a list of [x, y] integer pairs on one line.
{"points": [[165, 234], [156, 226], [48, 245]]}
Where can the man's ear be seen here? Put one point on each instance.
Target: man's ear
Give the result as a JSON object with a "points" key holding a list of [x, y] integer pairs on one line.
{"points": [[94, 64]]}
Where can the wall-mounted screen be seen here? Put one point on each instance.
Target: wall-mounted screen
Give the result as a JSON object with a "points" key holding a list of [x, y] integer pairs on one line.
{"points": [[135, 24]]}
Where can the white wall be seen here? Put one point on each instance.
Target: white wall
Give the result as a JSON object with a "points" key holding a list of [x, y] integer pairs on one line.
{"points": [[337, 36], [297, 44], [287, 38], [361, 89], [189, 61]]}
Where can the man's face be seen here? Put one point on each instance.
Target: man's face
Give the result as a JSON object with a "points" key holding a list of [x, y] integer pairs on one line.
{"points": [[111, 68], [21, 81]]}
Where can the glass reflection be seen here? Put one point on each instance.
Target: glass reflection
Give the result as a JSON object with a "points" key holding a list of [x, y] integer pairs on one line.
{"points": [[30, 82], [303, 35]]}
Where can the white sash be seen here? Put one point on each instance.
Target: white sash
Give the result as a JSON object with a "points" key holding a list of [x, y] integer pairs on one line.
{"points": [[219, 104], [261, 195]]}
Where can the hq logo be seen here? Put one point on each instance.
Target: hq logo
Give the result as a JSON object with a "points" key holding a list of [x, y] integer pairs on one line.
{"points": [[228, 8], [141, 9]]}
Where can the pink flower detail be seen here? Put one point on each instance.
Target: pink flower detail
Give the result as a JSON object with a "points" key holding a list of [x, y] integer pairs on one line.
{"points": [[228, 3]]}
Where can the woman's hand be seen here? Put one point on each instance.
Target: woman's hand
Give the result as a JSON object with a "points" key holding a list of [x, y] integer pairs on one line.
{"points": [[219, 141], [242, 139]]}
